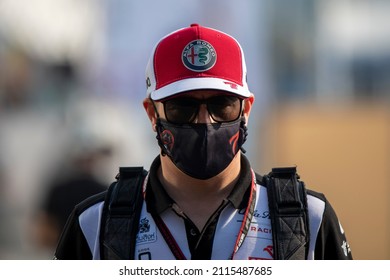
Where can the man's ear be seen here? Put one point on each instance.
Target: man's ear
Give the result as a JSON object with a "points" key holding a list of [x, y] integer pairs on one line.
{"points": [[248, 102], [151, 112]]}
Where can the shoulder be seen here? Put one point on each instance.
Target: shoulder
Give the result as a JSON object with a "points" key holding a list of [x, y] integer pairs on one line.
{"points": [[327, 232], [89, 202], [315, 194], [317, 203], [319, 200], [75, 242]]}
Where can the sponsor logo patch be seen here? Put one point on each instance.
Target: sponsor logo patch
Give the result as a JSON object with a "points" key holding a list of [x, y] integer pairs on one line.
{"points": [[146, 232]]}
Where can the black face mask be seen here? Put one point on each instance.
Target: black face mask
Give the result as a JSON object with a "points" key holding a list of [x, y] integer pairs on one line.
{"points": [[201, 150]]}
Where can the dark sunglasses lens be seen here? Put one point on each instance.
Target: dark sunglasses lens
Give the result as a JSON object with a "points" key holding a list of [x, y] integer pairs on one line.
{"points": [[221, 108], [181, 110], [224, 108]]}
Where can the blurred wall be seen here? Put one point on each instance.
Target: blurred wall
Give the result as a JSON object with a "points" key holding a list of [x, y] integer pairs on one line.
{"points": [[342, 151]]}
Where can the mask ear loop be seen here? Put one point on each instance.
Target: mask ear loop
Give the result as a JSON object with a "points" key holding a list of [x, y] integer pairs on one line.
{"points": [[244, 133], [243, 127]]}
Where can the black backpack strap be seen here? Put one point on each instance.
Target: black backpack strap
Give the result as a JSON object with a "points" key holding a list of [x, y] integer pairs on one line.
{"points": [[288, 212], [121, 212]]}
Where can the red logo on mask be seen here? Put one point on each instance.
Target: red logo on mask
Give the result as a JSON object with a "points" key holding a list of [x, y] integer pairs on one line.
{"points": [[233, 142], [167, 139]]}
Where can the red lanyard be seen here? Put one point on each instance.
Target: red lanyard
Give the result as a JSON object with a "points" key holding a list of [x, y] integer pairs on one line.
{"points": [[246, 221], [245, 224], [169, 239]]}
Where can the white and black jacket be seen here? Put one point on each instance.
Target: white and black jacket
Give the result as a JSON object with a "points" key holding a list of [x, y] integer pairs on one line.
{"points": [[217, 240]]}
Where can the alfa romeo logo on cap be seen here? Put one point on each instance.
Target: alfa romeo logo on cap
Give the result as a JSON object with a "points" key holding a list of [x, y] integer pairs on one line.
{"points": [[199, 56]]}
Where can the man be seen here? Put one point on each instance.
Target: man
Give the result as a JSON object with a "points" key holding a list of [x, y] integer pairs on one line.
{"points": [[201, 199]]}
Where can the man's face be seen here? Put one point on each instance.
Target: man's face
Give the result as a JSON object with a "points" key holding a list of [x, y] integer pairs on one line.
{"points": [[201, 106]]}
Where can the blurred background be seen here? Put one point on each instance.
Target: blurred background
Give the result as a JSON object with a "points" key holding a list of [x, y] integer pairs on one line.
{"points": [[72, 85]]}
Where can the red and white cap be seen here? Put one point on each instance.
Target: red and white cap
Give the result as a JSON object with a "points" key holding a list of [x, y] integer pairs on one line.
{"points": [[195, 58]]}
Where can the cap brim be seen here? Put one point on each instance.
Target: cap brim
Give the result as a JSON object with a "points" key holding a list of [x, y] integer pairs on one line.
{"points": [[198, 84]]}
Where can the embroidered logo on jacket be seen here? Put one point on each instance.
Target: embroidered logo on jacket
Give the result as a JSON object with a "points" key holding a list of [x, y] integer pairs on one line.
{"points": [[146, 232]]}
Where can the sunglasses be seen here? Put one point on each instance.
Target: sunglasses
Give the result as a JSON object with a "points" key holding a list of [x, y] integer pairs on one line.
{"points": [[182, 110]]}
